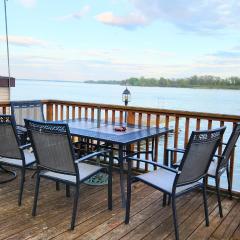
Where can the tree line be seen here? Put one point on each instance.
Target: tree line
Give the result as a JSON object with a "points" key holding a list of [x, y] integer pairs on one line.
{"points": [[206, 81]]}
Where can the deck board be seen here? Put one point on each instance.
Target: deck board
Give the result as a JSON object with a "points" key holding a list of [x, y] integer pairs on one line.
{"points": [[149, 219]]}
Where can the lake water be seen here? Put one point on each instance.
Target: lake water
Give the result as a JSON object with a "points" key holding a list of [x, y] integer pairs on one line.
{"points": [[201, 100]]}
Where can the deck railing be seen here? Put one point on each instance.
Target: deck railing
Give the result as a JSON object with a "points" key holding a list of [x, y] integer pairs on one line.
{"points": [[182, 122]]}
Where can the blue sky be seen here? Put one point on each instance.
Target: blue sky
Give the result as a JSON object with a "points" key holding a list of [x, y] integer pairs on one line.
{"points": [[118, 39]]}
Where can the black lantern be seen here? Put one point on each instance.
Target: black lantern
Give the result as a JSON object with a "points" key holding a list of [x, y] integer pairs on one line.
{"points": [[126, 96]]}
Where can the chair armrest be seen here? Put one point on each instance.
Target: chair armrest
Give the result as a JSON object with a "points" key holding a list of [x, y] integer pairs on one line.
{"points": [[153, 163], [225, 144], [22, 147], [21, 128], [218, 156], [180, 150], [91, 155]]}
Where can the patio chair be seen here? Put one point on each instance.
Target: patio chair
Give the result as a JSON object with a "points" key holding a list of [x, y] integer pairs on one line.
{"points": [[190, 175], [26, 109], [11, 152], [219, 164], [55, 160]]}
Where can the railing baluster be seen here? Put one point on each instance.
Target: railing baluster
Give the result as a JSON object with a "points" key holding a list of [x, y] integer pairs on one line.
{"points": [[186, 136], [139, 143], [92, 113], [155, 144], [56, 112], [232, 158], [79, 112], [73, 112], [113, 116], [147, 141], [176, 129], [166, 140], [209, 124], [106, 115], [198, 125], [61, 112], [121, 117], [86, 112], [131, 120], [67, 113], [220, 146], [49, 111]]}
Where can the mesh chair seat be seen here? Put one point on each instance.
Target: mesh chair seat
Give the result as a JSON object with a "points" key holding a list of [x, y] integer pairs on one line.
{"points": [[164, 179], [212, 168], [85, 171], [29, 159]]}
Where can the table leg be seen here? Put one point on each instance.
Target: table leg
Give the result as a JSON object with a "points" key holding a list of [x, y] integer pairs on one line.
{"points": [[129, 176], [122, 184]]}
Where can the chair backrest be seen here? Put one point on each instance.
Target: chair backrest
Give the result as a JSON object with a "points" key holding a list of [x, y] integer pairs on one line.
{"points": [[27, 110], [52, 146], [229, 147], [198, 155], [9, 143]]}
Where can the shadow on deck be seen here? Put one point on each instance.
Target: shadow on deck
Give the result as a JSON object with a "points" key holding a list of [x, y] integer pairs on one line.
{"points": [[149, 220]]}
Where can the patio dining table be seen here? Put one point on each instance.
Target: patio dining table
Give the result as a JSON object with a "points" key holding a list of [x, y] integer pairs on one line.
{"points": [[105, 132]]}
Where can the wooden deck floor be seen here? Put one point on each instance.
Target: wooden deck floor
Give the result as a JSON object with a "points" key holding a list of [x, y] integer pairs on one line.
{"points": [[149, 220]]}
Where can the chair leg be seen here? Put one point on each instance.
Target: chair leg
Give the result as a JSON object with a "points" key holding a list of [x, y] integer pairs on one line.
{"points": [[75, 205], [36, 195], [205, 203], [152, 151], [110, 181], [21, 186], [229, 183], [218, 196], [169, 200], [129, 189], [68, 193], [164, 199], [57, 186], [122, 177], [175, 217]]}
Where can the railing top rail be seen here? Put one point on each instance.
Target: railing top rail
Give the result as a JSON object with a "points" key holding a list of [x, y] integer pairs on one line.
{"points": [[169, 112]]}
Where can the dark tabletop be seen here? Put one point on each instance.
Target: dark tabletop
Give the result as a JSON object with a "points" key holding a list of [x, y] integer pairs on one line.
{"points": [[134, 133]]}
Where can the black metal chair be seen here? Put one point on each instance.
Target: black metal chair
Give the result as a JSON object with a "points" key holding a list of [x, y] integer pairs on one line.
{"points": [[26, 110], [219, 164], [190, 175], [55, 160], [11, 152]]}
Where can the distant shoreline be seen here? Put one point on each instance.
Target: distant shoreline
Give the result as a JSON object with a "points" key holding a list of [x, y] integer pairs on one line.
{"points": [[141, 84], [205, 82]]}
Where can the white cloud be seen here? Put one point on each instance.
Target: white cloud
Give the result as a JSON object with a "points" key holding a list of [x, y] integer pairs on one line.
{"points": [[24, 41], [76, 15], [28, 3], [194, 15], [132, 21]]}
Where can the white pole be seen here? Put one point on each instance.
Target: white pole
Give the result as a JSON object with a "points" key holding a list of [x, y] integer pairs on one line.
{"points": [[6, 27]]}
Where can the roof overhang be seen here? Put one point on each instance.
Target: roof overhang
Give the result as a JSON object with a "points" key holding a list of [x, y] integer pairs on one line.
{"points": [[4, 81]]}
